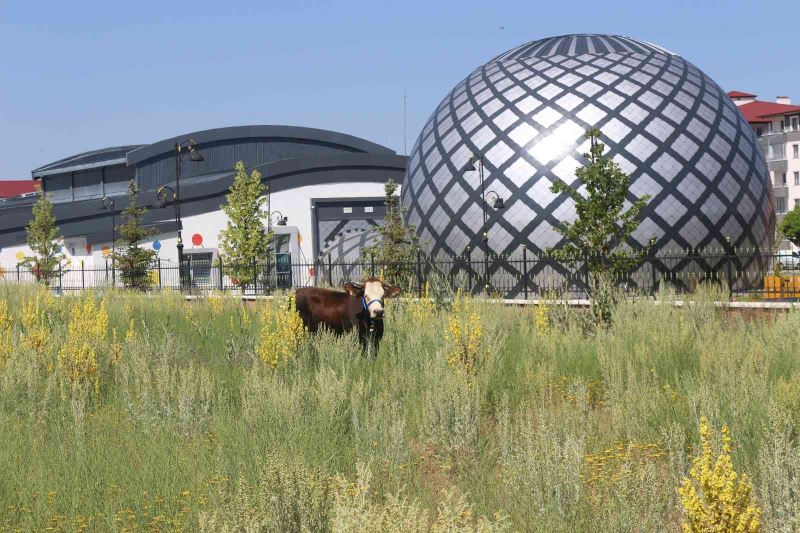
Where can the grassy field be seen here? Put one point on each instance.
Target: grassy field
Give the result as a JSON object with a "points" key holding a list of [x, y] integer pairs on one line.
{"points": [[131, 412]]}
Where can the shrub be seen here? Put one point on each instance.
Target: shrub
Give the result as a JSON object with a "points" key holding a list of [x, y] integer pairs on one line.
{"points": [[715, 497], [282, 332]]}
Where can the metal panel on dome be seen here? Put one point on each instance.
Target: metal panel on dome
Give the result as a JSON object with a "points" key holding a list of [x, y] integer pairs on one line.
{"points": [[663, 120]]}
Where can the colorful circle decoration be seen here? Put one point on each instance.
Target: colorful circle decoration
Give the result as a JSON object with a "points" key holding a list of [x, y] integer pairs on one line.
{"points": [[197, 239], [106, 251], [20, 256], [88, 248], [156, 245], [69, 261]]}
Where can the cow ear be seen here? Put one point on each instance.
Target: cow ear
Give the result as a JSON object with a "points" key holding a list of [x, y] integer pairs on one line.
{"points": [[353, 289], [391, 292]]}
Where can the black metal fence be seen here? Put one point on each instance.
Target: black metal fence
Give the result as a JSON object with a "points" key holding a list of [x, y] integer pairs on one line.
{"points": [[524, 276]]}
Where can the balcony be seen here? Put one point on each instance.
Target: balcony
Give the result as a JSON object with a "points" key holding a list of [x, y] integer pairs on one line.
{"points": [[785, 136]]}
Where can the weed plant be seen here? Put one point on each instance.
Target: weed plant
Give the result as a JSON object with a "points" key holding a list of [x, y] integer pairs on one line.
{"points": [[127, 411]]}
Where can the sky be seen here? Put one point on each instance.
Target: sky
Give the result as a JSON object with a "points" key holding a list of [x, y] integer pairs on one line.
{"points": [[82, 75]]}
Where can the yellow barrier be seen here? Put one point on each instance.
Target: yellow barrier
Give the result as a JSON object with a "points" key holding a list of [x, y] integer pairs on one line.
{"points": [[791, 287], [781, 287], [772, 287]]}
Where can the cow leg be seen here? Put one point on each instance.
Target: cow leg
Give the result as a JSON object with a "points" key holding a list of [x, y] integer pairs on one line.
{"points": [[375, 337]]}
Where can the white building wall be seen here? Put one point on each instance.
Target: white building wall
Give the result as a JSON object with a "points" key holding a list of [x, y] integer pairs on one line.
{"points": [[202, 231]]}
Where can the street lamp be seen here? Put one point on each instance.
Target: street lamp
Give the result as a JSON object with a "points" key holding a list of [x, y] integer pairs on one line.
{"points": [[107, 204], [180, 147], [497, 204], [280, 221]]}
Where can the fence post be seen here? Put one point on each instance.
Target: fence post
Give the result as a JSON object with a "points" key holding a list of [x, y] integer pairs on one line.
{"points": [[469, 268], [60, 287], [586, 275], [17, 272], [83, 276], [330, 271], [255, 277], [654, 275], [220, 273], [372, 264], [419, 274], [158, 267], [730, 252], [525, 270], [113, 272]]}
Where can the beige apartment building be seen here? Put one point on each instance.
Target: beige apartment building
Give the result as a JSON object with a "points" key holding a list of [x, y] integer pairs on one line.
{"points": [[777, 126]]}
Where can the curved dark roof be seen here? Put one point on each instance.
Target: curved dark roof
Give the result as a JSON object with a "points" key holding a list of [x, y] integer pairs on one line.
{"points": [[246, 132], [579, 44], [86, 160], [206, 193]]}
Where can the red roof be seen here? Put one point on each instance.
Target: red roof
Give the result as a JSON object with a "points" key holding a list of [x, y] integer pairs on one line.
{"points": [[740, 94], [11, 188], [758, 111]]}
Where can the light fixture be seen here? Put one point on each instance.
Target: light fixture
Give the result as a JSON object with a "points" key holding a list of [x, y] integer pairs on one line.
{"points": [[498, 203]]}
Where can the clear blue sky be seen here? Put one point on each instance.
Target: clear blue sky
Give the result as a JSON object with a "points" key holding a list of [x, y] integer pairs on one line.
{"points": [[80, 75]]}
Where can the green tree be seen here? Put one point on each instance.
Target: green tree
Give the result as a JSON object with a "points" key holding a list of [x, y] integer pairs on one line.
{"points": [[244, 240], [131, 259], [44, 241], [790, 226], [602, 227], [396, 251]]}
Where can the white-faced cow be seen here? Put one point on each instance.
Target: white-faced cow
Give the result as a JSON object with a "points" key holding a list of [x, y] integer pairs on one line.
{"points": [[360, 307]]}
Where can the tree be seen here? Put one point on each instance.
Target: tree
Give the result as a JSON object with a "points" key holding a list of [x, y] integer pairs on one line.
{"points": [[790, 226], [132, 260], [44, 241], [396, 251], [244, 241], [602, 228]]}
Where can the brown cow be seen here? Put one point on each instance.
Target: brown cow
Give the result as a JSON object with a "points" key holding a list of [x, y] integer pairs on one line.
{"points": [[359, 307]]}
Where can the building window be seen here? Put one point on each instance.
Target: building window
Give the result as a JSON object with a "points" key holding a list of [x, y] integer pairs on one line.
{"points": [[797, 178], [795, 123], [783, 179], [796, 151], [759, 132], [780, 205], [797, 202]]}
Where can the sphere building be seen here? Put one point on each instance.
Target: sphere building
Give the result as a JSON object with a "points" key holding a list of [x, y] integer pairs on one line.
{"points": [[666, 123]]}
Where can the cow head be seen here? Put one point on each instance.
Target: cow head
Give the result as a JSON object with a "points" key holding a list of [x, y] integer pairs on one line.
{"points": [[372, 293]]}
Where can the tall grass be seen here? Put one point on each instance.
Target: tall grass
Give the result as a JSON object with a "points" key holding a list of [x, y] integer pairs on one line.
{"points": [[169, 418]]}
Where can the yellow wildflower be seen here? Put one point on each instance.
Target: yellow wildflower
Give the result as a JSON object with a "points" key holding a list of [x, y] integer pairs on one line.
{"points": [[282, 331], [714, 496], [464, 335]]}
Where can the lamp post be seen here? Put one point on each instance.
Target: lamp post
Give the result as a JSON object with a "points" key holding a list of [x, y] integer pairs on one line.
{"points": [[497, 204], [162, 202], [107, 204], [194, 155], [280, 221]]}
